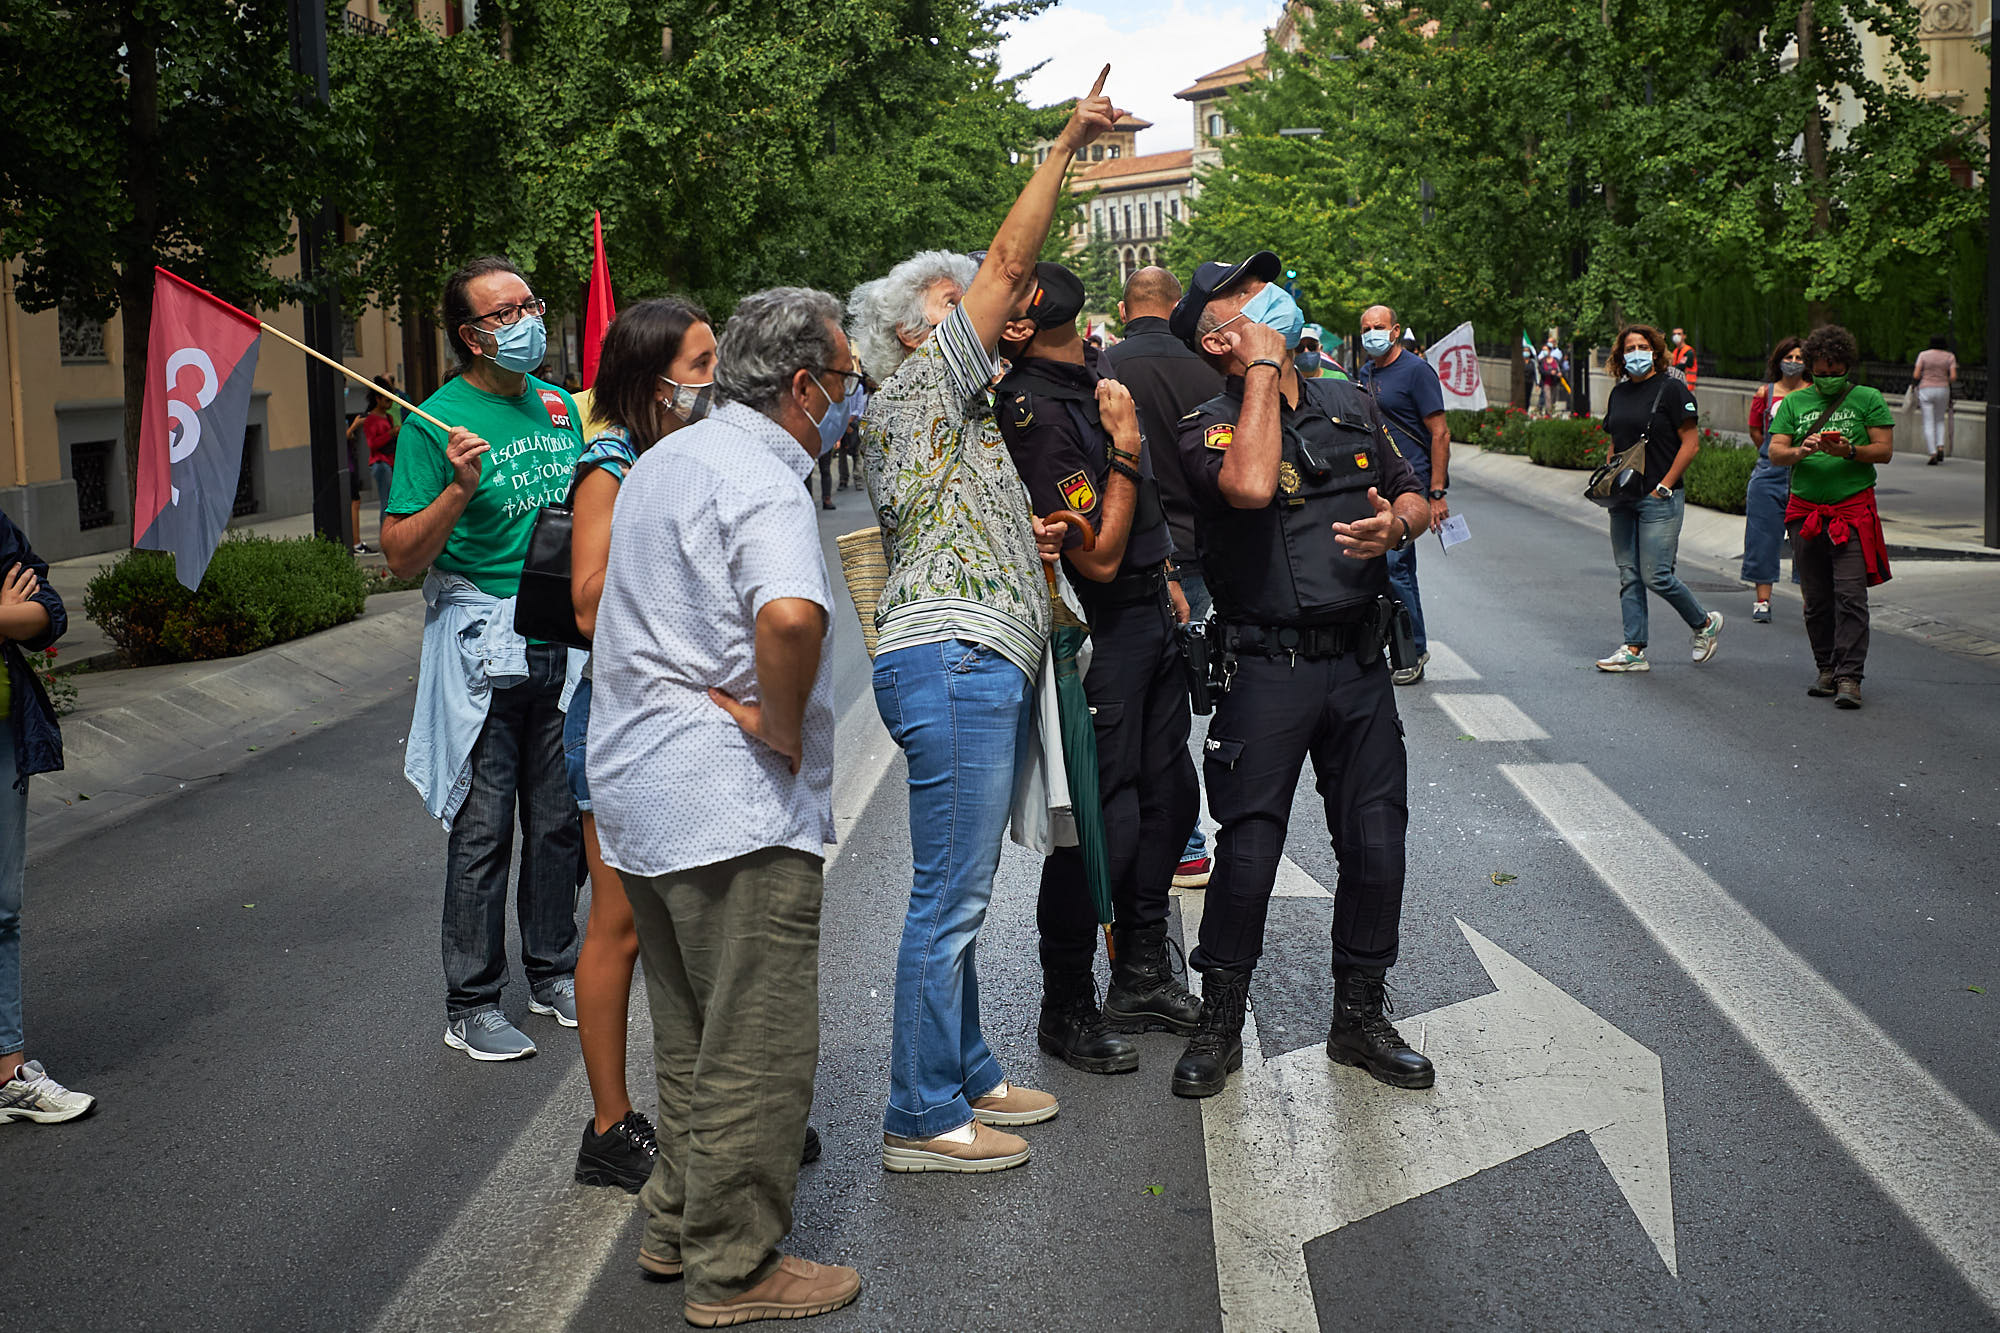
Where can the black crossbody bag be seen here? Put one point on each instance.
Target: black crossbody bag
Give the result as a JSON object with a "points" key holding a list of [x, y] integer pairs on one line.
{"points": [[544, 609]]}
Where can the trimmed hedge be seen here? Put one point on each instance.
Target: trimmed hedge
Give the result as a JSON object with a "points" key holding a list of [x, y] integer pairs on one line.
{"points": [[1719, 476], [1567, 442], [258, 591]]}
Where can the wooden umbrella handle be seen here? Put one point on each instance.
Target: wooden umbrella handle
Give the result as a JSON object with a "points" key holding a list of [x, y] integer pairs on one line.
{"points": [[1077, 521]]}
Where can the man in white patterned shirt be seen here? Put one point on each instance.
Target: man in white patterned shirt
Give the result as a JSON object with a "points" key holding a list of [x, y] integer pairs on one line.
{"points": [[710, 762]]}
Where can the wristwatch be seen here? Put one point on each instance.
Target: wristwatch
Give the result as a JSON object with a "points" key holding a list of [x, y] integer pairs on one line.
{"points": [[1438, 494], [1262, 361], [1663, 491], [1403, 540]]}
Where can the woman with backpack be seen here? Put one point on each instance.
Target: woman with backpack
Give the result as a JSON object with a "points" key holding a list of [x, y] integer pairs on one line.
{"points": [[1770, 485]]}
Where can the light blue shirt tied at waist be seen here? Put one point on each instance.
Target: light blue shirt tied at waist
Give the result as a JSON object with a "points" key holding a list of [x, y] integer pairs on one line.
{"points": [[470, 650]]}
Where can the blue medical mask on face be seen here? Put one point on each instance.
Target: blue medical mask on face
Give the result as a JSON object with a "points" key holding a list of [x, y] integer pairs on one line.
{"points": [[1307, 362], [1274, 308], [1375, 342], [520, 346], [1638, 363], [834, 424]]}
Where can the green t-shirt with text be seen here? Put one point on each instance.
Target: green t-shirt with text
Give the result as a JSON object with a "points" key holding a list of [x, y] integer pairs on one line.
{"points": [[535, 439], [1824, 478]]}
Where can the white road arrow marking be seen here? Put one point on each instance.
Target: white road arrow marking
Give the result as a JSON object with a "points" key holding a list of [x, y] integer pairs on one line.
{"points": [[1299, 1147]]}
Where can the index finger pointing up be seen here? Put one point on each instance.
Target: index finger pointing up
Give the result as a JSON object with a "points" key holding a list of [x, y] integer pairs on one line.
{"points": [[1102, 75]]}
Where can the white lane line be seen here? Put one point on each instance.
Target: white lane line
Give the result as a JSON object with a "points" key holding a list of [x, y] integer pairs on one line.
{"points": [[1293, 882], [1447, 665], [1490, 717], [526, 1246], [862, 753], [1929, 1152]]}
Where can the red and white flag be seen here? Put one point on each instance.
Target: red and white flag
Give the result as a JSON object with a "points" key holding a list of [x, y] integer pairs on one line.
{"points": [[1456, 361], [599, 310], [200, 362]]}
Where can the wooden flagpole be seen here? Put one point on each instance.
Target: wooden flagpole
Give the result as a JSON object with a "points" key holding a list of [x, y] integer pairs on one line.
{"points": [[356, 376]]}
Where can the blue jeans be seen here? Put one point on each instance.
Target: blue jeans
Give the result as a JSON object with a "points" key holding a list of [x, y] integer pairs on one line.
{"points": [[1195, 589], [517, 766], [1646, 543], [961, 714], [383, 473], [13, 870], [576, 727], [1403, 582], [1764, 522]]}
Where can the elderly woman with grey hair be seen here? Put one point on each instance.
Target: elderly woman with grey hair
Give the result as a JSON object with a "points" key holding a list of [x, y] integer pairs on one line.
{"points": [[962, 623], [710, 761]]}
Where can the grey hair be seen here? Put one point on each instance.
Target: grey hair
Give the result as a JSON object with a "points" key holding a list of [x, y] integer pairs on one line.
{"points": [[770, 337], [879, 311]]}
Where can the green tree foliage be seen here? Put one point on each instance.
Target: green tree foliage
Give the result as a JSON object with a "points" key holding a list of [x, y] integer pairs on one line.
{"points": [[729, 146], [1535, 162], [144, 132]]}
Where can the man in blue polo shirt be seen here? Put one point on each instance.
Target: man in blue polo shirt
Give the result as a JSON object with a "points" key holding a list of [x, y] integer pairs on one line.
{"points": [[1406, 389]]}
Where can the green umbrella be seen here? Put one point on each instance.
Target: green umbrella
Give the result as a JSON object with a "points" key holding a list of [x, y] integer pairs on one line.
{"points": [[1079, 742]]}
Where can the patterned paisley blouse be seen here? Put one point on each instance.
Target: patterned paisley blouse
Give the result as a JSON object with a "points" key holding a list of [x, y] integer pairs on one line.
{"points": [[954, 514]]}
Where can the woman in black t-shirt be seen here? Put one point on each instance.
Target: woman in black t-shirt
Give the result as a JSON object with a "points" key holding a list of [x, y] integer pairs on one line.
{"points": [[1648, 402]]}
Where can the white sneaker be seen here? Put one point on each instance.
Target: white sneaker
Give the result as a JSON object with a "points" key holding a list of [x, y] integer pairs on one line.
{"points": [[32, 1095], [1705, 637], [1627, 658]]}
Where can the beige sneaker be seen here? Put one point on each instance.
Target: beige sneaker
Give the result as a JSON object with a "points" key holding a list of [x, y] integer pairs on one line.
{"points": [[796, 1289], [1012, 1105], [989, 1150]]}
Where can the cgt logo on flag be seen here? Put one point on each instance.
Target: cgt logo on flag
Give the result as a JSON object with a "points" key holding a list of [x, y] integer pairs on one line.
{"points": [[200, 362]]}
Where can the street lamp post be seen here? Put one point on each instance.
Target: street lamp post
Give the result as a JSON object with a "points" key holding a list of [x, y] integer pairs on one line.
{"points": [[1992, 354], [322, 315]]}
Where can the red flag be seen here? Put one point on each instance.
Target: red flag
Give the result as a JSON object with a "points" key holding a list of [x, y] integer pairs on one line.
{"points": [[599, 310], [200, 361]]}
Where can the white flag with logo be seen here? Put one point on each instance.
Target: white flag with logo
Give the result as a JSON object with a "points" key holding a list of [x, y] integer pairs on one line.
{"points": [[1457, 365]]}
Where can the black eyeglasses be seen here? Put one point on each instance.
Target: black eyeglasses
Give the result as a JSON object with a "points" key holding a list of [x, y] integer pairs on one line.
{"points": [[511, 314], [850, 380]]}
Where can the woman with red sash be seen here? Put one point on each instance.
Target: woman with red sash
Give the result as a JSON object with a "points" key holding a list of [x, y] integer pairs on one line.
{"points": [[1831, 433]]}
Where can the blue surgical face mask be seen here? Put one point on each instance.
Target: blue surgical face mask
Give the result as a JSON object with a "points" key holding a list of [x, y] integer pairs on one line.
{"points": [[1307, 362], [1274, 308], [1638, 363], [520, 346], [1377, 341], [834, 424]]}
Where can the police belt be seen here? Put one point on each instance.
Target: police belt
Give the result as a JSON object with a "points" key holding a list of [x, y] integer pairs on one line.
{"points": [[1336, 640], [1133, 587]]}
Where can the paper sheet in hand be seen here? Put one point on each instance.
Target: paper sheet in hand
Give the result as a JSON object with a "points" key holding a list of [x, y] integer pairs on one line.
{"points": [[1453, 531]]}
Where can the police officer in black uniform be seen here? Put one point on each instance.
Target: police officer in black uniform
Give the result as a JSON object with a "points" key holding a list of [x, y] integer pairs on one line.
{"points": [[1299, 496], [1076, 441]]}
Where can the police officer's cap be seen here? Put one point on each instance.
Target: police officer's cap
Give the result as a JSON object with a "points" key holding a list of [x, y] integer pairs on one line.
{"points": [[1214, 279], [1058, 298]]}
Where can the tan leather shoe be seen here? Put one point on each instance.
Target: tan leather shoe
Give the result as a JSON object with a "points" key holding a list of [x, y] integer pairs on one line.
{"points": [[658, 1265], [1015, 1106], [990, 1150], [796, 1289]]}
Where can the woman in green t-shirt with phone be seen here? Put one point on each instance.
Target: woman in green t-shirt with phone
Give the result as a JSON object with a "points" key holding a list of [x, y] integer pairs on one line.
{"points": [[1831, 434]]}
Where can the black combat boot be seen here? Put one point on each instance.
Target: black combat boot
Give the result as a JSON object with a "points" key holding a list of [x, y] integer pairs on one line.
{"points": [[1216, 1050], [1363, 1037], [1144, 997], [1073, 1031]]}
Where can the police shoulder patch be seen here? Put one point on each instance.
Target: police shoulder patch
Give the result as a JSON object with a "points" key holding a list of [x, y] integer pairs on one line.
{"points": [[1219, 436], [1077, 492]]}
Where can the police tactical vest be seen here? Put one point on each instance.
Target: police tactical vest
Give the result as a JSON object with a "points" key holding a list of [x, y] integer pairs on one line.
{"points": [[1089, 422], [1280, 565]]}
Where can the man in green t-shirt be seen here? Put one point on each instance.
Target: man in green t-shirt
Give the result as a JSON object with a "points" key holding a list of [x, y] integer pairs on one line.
{"points": [[463, 503], [1838, 549]]}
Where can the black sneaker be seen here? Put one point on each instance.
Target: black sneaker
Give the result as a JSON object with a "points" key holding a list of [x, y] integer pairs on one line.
{"points": [[622, 1155], [812, 1149]]}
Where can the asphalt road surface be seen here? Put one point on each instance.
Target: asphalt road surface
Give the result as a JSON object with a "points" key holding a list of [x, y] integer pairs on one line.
{"points": [[1696, 956]]}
